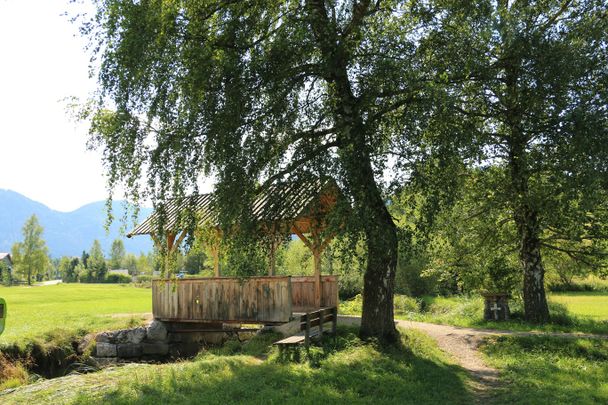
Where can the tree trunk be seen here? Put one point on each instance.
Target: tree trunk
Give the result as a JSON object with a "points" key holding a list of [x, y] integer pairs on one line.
{"points": [[379, 280], [377, 319], [535, 300], [525, 214], [528, 232]]}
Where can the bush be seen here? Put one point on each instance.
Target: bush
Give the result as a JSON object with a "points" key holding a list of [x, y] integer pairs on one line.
{"points": [[353, 306], [144, 278], [590, 283], [405, 305], [117, 279], [410, 278], [402, 304]]}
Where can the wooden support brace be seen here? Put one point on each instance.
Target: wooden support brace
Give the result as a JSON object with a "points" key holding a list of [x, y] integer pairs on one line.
{"points": [[307, 332]]}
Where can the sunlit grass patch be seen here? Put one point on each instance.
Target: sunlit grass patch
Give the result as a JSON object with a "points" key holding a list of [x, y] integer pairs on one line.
{"points": [[585, 312], [50, 312], [348, 371], [549, 370]]}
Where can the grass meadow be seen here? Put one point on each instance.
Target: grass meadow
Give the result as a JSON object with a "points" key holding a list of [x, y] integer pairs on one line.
{"points": [[592, 305], [345, 371], [585, 312], [49, 312], [533, 370]]}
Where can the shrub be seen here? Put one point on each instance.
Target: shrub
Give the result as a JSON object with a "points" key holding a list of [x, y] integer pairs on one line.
{"points": [[411, 279], [144, 278], [117, 279], [402, 304], [353, 306], [590, 283]]}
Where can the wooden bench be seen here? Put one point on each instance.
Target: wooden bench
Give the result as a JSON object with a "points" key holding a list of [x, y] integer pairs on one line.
{"points": [[311, 326]]}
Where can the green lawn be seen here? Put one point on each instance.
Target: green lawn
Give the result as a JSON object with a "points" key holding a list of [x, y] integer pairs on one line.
{"points": [[544, 370], [346, 372], [586, 304], [571, 312], [42, 313]]}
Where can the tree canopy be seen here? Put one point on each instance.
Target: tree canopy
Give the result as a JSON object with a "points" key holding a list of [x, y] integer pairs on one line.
{"points": [[534, 101], [30, 256], [252, 92]]}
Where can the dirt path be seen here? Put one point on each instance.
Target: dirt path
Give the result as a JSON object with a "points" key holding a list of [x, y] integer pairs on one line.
{"points": [[463, 344]]}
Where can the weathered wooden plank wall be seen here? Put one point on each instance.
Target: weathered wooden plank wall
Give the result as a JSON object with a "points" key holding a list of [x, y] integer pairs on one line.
{"points": [[303, 292], [225, 299]]}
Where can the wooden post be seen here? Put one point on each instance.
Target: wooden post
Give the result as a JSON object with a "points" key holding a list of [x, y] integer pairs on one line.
{"points": [[215, 251], [317, 266], [168, 253], [316, 247], [307, 333], [170, 241], [272, 260]]}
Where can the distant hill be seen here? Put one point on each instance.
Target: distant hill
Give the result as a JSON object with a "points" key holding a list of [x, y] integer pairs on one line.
{"points": [[66, 233]]}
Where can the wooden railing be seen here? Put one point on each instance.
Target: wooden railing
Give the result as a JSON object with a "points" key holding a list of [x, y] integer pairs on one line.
{"points": [[267, 300], [223, 299], [303, 293]]}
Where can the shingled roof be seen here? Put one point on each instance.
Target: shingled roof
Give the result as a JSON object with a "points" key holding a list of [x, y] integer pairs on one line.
{"points": [[281, 202]]}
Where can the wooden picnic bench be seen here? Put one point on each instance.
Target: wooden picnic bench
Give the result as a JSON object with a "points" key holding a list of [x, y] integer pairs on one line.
{"points": [[311, 326]]}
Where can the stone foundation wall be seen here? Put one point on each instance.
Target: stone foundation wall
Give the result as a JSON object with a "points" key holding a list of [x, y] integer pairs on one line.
{"points": [[158, 341]]}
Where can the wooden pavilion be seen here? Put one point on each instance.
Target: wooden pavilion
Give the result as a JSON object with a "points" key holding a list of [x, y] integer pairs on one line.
{"points": [[284, 208]]}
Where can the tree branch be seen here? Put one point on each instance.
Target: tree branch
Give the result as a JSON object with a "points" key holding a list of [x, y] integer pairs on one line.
{"points": [[297, 163], [360, 11]]}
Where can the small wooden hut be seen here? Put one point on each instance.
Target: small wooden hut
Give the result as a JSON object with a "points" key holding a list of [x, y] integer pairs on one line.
{"points": [[285, 208]]}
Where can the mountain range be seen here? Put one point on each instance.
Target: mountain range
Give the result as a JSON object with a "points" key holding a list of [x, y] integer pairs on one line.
{"points": [[67, 233]]}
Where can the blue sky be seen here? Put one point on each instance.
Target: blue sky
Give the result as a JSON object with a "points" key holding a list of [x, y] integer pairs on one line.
{"points": [[43, 61]]}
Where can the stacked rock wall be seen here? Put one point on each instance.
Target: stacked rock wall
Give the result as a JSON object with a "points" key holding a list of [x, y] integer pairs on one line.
{"points": [[157, 341]]}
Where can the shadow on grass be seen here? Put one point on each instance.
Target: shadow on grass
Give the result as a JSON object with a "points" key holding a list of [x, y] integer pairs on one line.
{"points": [[543, 370], [352, 373]]}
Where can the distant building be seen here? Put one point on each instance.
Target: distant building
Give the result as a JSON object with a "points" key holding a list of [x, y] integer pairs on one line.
{"points": [[8, 261]]}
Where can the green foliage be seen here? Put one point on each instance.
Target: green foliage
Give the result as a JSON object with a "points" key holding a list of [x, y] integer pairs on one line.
{"points": [[117, 254], [411, 278], [68, 269], [146, 264], [30, 257], [5, 274], [295, 259], [588, 283], [194, 261], [536, 113], [549, 370], [96, 267], [130, 263], [404, 305], [117, 279]]}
